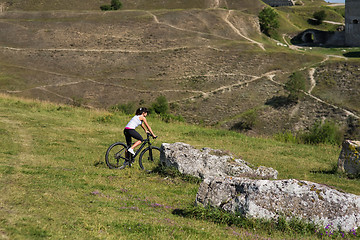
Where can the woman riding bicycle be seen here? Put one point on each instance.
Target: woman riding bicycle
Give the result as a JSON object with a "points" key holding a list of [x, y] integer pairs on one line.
{"points": [[138, 120]]}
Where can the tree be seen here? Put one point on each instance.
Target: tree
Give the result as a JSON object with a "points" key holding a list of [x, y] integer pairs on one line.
{"points": [[116, 4], [295, 85], [320, 16], [161, 105], [269, 20]]}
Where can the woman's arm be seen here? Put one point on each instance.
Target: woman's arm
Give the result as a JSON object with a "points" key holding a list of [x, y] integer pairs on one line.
{"points": [[147, 126]]}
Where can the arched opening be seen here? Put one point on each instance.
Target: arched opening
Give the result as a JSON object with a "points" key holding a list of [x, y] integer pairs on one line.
{"points": [[355, 21], [309, 37]]}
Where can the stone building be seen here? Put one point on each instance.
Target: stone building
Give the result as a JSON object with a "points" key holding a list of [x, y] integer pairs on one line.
{"points": [[352, 23], [279, 3]]}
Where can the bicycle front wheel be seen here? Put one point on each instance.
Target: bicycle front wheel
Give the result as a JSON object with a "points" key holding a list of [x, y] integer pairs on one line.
{"points": [[116, 155], [150, 158]]}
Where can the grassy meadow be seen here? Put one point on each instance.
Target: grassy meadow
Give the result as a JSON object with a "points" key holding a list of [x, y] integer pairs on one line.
{"points": [[55, 185]]}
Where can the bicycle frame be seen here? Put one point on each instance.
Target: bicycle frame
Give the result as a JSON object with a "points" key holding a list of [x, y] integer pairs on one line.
{"points": [[146, 141]]}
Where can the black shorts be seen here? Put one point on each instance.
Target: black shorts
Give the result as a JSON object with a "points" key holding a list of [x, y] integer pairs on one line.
{"points": [[131, 133]]}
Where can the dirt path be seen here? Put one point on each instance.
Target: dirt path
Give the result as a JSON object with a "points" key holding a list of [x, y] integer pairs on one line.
{"points": [[226, 19], [312, 79], [94, 50], [229, 88], [239, 33]]}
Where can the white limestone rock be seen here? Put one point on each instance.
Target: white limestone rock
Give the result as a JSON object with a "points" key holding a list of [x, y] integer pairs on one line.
{"points": [[209, 162], [269, 199], [349, 159]]}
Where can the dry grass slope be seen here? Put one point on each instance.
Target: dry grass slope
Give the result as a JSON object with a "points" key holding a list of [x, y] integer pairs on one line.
{"points": [[199, 54]]}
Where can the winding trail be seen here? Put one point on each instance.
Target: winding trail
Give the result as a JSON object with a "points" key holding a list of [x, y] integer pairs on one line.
{"points": [[226, 19], [269, 75], [312, 79], [239, 33]]}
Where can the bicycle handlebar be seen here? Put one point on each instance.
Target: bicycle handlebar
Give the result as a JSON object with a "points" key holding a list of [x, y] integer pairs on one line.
{"points": [[149, 134]]}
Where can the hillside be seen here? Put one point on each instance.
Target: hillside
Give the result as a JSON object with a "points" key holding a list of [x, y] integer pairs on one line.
{"points": [[208, 58], [55, 184]]}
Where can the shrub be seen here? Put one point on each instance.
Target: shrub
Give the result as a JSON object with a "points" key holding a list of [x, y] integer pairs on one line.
{"points": [[116, 4], [160, 106], [296, 86], [105, 7], [77, 101], [105, 119], [269, 20], [169, 117], [286, 136], [320, 16], [248, 120], [326, 132], [127, 108]]}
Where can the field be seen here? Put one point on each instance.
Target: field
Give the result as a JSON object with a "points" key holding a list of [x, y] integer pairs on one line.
{"points": [[55, 184], [64, 64]]}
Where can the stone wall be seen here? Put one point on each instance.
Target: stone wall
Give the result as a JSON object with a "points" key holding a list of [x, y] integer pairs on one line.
{"points": [[352, 23], [279, 3]]}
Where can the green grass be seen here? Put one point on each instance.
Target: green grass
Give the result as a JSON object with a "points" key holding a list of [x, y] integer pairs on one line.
{"points": [[55, 185]]}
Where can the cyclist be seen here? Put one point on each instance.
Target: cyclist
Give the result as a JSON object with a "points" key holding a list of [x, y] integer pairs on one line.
{"points": [[138, 120]]}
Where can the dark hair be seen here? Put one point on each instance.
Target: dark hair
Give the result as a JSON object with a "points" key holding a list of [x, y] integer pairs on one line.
{"points": [[141, 110]]}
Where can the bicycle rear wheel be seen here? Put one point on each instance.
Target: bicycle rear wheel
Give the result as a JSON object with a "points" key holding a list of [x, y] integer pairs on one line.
{"points": [[150, 158], [116, 155]]}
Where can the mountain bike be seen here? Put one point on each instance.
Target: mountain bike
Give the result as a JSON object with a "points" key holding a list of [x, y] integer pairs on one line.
{"points": [[117, 156]]}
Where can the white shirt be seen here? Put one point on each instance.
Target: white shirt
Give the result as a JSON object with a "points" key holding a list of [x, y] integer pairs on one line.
{"points": [[134, 122]]}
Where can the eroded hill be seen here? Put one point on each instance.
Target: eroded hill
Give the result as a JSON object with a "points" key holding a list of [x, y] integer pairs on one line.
{"points": [[208, 58]]}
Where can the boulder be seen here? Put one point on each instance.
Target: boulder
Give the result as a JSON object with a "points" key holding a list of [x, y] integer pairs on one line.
{"points": [[209, 162], [269, 199], [349, 159]]}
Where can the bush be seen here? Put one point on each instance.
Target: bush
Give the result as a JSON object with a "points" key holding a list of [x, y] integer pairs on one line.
{"points": [[328, 132], [269, 20], [286, 136], [127, 108], [295, 85], [160, 106], [320, 16], [115, 5], [248, 120], [169, 118], [105, 7]]}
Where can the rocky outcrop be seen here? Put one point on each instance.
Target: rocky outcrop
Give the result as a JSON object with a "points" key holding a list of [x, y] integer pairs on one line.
{"points": [[209, 162], [259, 198], [269, 199], [349, 159]]}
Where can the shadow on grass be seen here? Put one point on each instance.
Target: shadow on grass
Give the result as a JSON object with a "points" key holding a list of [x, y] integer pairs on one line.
{"points": [[281, 225], [332, 171], [278, 102], [313, 22], [174, 173], [352, 54], [329, 172]]}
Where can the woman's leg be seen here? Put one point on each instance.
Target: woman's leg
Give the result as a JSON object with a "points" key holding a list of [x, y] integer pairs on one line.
{"points": [[137, 143], [135, 135]]}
